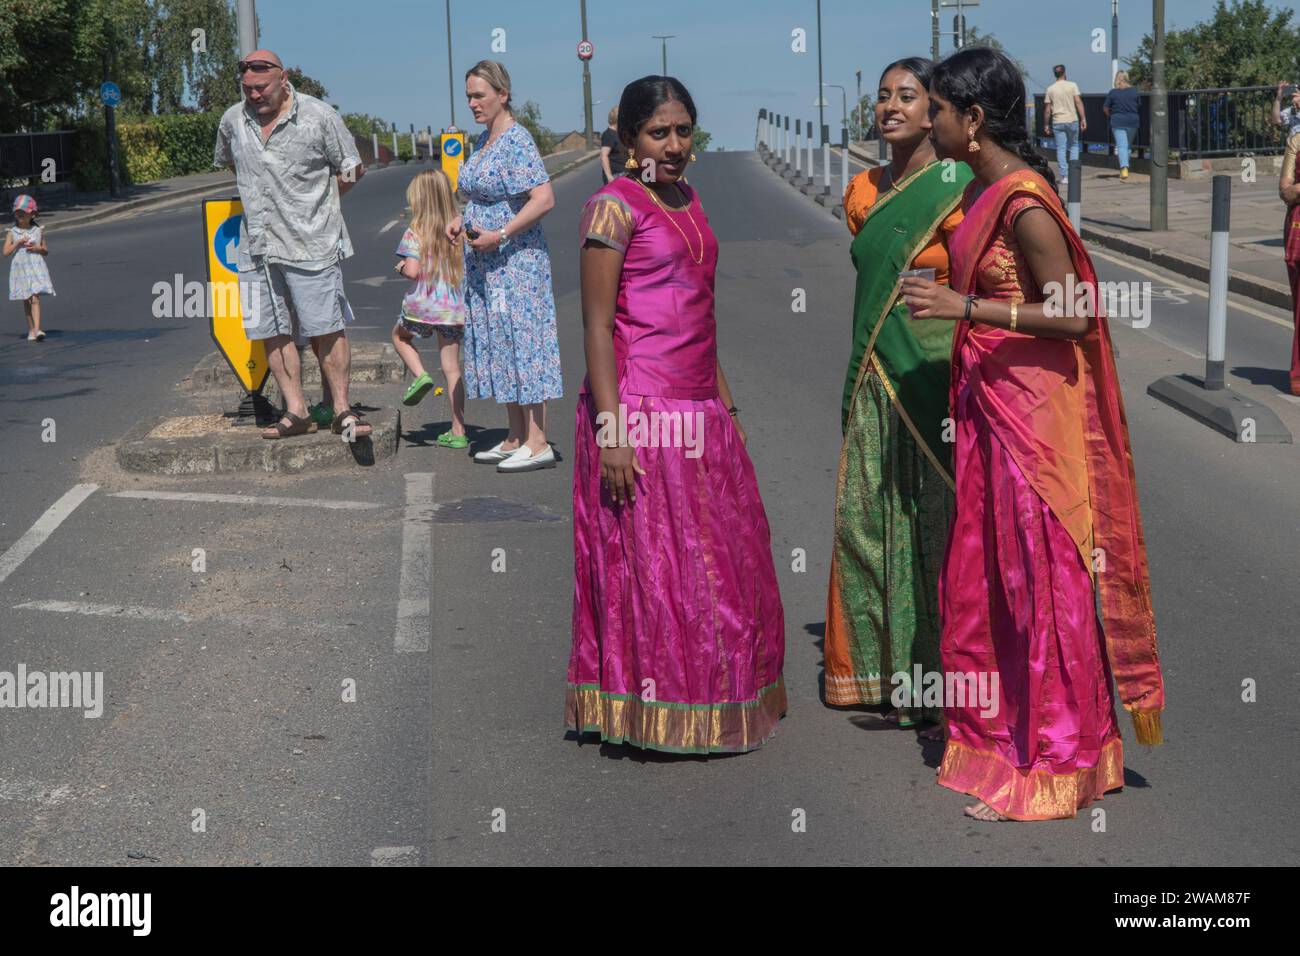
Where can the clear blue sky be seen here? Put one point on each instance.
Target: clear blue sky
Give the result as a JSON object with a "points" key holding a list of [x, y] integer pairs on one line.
{"points": [[390, 58]]}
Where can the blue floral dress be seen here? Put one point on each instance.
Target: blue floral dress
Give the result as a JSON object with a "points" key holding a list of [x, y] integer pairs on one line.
{"points": [[511, 349]]}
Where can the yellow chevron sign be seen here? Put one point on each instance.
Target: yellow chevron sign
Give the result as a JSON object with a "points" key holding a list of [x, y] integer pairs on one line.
{"points": [[221, 219]]}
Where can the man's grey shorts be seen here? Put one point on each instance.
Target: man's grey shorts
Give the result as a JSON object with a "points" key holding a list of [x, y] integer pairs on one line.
{"points": [[285, 300]]}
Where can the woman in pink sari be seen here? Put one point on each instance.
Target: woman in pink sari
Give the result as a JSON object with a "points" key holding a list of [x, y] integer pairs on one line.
{"points": [[1046, 525], [678, 629]]}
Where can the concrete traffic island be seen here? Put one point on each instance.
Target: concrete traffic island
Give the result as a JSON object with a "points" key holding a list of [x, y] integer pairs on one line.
{"points": [[211, 439]]}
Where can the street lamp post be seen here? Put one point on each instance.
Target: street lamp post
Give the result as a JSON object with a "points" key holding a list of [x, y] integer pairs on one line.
{"points": [[246, 17], [858, 103], [821, 115], [844, 101], [1114, 40], [586, 79], [1159, 122], [664, 39], [451, 82]]}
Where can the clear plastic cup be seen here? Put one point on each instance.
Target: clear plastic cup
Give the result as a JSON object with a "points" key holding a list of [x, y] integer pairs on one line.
{"points": [[920, 274]]}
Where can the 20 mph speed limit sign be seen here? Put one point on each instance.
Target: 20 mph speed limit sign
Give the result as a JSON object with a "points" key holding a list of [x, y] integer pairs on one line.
{"points": [[586, 50]]}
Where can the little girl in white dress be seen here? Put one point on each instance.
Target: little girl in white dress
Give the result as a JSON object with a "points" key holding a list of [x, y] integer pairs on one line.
{"points": [[29, 278]]}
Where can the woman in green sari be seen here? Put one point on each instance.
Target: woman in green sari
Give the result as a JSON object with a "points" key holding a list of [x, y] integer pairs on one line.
{"points": [[894, 493]]}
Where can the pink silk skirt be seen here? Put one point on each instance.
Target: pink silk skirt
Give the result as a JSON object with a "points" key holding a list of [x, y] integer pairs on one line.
{"points": [[1016, 600], [678, 628]]}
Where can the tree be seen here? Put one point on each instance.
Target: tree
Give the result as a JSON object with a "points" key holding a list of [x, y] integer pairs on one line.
{"points": [[39, 44], [1245, 44], [363, 124], [700, 139], [305, 84], [973, 37], [530, 117]]}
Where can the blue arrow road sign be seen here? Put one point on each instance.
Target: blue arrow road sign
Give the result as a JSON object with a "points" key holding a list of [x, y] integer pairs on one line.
{"points": [[225, 243], [452, 147]]}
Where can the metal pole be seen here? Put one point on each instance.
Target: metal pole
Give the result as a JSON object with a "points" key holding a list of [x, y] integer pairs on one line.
{"points": [[1114, 40], [826, 158], [451, 82], [934, 30], [844, 160], [861, 134], [110, 136], [586, 80], [246, 16], [664, 38], [374, 144], [798, 153], [1075, 195], [1159, 123], [821, 90], [1217, 327], [785, 142], [394, 141]]}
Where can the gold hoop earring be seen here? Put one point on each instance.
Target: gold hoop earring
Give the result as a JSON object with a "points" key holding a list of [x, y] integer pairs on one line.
{"points": [[974, 147]]}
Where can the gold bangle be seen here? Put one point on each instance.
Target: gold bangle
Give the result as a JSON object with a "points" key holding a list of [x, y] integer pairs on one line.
{"points": [[1014, 307]]}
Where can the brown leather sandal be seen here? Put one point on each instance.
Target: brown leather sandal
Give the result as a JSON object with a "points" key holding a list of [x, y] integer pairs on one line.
{"points": [[360, 429], [297, 426]]}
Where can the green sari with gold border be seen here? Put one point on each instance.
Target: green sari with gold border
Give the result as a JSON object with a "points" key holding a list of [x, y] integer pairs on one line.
{"points": [[894, 490]]}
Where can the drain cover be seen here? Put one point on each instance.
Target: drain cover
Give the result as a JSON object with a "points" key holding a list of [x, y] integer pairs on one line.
{"points": [[477, 510]]}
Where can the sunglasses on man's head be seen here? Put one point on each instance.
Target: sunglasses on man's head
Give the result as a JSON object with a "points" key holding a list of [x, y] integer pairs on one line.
{"points": [[257, 66]]}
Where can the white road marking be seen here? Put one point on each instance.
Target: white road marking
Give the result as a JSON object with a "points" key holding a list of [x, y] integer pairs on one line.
{"points": [[1181, 287], [34, 791], [395, 856], [373, 281], [45, 526], [389, 226], [107, 610], [247, 500], [414, 621]]}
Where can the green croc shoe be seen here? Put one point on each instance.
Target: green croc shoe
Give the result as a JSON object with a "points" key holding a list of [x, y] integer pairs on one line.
{"points": [[322, 414], [419, 388], [449, 440]]}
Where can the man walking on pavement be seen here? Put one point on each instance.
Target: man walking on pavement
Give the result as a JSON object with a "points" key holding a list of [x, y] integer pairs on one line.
{"points": [[293, 160], [1064, 120]]}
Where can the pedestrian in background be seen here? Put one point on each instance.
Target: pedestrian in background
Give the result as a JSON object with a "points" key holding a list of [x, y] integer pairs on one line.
{"points": [[1046, 530], [1065, 120], [1289, 190], [293, 160], [613, 154], [678, 629], [1122, 105], [29, 277], [512, 351], [1289, 118], [893, 499], [435, 304]]}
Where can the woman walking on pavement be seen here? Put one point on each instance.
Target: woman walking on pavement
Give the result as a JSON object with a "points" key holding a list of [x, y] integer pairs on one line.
{"points": [[511, 349]]}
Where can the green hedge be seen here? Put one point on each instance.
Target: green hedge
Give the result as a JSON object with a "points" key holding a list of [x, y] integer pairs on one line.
{"points": [[151, 148]]}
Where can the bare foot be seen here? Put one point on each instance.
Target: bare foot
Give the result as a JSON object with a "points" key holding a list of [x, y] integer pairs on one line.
{"points": [[982, 811]]}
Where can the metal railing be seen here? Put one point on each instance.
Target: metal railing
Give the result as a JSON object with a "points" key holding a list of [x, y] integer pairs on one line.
{"points": [[24, 155], [1202, 123]]}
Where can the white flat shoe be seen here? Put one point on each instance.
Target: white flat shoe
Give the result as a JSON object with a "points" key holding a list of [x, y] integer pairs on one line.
{"points": [[524, 460], [494, 455]]}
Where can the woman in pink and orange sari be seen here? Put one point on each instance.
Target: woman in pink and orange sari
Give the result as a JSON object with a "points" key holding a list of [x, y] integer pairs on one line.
{"points": [[1046, 526]]}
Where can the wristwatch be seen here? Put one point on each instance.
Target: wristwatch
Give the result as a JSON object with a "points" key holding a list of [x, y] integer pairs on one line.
{"points": [[504, 238]]}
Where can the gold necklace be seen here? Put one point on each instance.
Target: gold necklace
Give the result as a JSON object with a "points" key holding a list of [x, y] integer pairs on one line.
{"points": [[686, 209]]}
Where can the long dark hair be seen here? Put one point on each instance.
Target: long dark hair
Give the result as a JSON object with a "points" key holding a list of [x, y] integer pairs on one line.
{"points": [[991, 79], [642, 97], [918, 66]]}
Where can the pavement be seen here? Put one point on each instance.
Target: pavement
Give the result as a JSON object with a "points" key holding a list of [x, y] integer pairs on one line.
{"points": [[365, 665]]}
